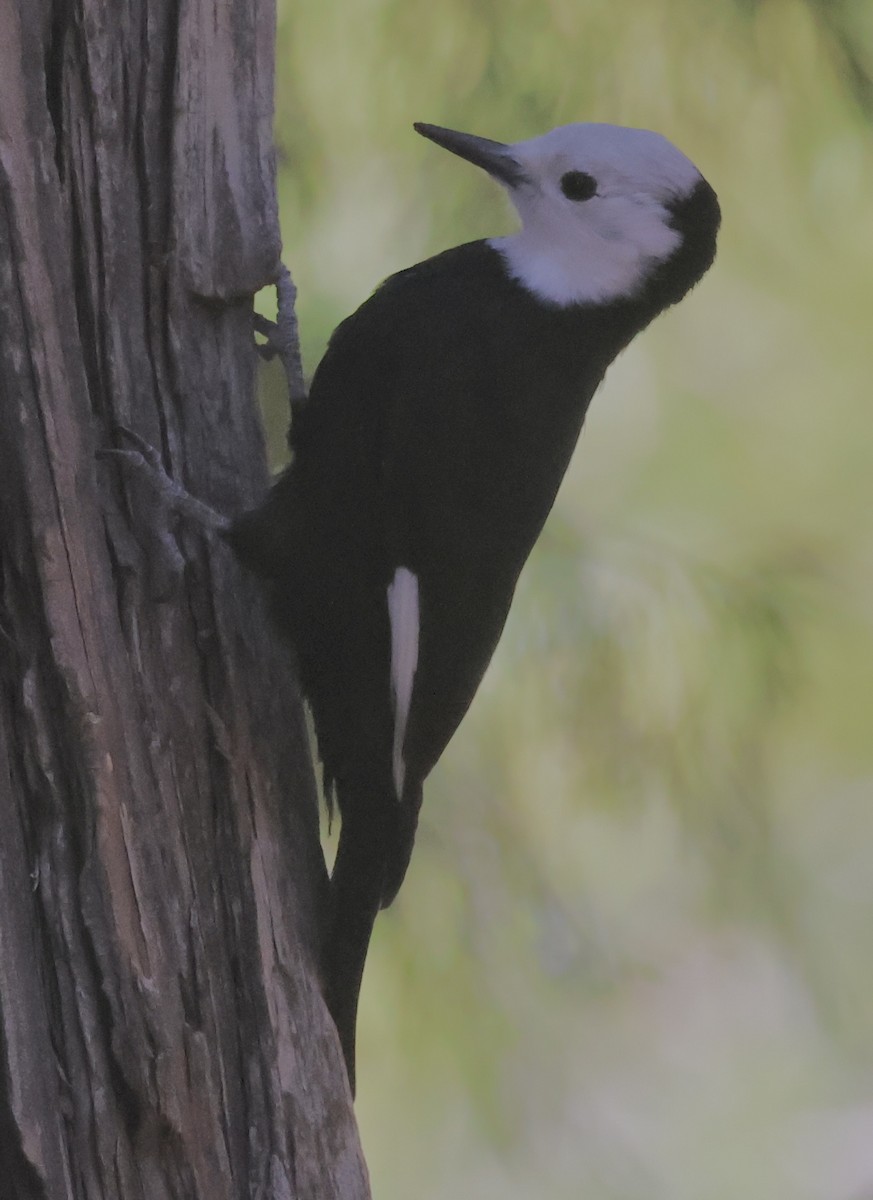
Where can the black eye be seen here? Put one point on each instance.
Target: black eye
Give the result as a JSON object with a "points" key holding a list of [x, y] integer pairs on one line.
{"points": [[578, 185]]}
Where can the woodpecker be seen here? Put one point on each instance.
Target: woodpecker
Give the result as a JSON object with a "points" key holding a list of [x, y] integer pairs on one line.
{"points": [[438, 428]]}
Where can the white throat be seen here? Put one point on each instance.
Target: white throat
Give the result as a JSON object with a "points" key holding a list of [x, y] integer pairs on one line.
{"points": [[589, 267]]}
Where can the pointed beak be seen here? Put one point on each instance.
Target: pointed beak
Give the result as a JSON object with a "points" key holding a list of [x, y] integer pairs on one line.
{"points": [[494, 157]]}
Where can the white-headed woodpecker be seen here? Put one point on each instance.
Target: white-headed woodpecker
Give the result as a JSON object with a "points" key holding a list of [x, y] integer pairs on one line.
{"points": [[439, 425]]}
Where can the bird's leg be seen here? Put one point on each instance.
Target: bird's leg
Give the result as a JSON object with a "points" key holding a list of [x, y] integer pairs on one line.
{"points": [[356, 887], [144, 460], [283, 337], [155, 497]]}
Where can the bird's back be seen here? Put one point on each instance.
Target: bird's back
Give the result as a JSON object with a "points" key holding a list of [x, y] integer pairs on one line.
{"points": [[439, 425]]}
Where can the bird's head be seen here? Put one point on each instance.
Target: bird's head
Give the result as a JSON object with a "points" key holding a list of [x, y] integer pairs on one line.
{"points": [[607, 212]]}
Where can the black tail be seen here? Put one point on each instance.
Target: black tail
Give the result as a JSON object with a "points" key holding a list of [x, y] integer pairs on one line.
{"points": [[356, 895], [401, 839], [374, 848]]}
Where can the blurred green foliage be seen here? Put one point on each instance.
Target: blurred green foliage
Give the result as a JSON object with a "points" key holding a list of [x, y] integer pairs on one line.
{"points": [[634, 954]]}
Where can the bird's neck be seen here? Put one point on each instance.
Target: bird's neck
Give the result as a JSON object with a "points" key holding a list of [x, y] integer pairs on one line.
{"points": [[586, 269]]}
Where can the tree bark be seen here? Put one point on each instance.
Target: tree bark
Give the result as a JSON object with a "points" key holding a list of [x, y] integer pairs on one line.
{"points": [[162, 1032]]}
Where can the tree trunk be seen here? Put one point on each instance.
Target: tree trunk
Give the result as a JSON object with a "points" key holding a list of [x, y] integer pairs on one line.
{"points": [[162, 1032]]}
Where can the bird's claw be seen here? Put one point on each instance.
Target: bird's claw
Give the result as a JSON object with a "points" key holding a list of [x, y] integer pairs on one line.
{"points": [[169, 494], [145, 449], [269, 330], [283, 338]]}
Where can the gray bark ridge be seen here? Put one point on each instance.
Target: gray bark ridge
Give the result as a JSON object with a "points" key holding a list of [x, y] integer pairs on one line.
{"points": [[162, 1031]]}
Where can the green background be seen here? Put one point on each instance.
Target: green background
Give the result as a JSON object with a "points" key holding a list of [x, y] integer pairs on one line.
{"points": [[632, 958]]}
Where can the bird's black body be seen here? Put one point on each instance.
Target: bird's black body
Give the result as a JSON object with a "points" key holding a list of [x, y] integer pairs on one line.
{"points": [[437, 432]]}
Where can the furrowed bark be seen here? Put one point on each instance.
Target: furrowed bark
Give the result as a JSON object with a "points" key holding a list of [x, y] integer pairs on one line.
{"points": [[162, 1031]]}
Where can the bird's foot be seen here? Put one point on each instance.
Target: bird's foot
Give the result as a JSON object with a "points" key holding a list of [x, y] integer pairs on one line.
{"points": [[282, 337], [156, 498], [144, 461]]}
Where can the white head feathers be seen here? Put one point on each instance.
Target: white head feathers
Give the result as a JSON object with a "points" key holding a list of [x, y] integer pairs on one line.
{"points": [[599, 248]]}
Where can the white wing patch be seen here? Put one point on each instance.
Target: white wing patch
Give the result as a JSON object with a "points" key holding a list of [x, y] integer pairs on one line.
{"points": [[403, 613]]}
